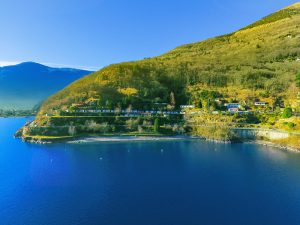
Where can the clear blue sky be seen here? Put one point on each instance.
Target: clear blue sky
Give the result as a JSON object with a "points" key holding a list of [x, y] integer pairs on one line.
{"points": [[95, 33]]}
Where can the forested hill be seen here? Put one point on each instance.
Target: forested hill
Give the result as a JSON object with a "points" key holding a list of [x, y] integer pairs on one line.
{"points": [[25, 85], [263, 57]]}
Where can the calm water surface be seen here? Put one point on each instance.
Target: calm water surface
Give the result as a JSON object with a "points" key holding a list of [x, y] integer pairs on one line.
{"points": [[155, 183]]}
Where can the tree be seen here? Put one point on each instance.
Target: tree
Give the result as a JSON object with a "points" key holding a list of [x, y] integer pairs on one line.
{"points": [[104, 127], [91, 125], [132, 124], [287, 113], [172, 100], [298, 79], [108, 104], [129, 109], [72, 130], [156, 125], [128, 91], [274, 88], [140, 129], [99, 102]]}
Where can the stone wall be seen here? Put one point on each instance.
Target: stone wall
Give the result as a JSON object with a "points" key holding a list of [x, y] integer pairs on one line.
{"points": [[252, 134]]}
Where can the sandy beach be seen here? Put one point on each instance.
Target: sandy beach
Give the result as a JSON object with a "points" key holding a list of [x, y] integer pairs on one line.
{"points": [[130, 138]]}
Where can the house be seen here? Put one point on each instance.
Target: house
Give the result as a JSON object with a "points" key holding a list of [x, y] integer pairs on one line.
{"points": [[233, 110], [220, 101], [233, 107], [187, 106], [244, 112], [260, 103], [160, 104]]}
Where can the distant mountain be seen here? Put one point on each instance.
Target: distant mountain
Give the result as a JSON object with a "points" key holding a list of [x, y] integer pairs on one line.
{"points": [[26, 85]]}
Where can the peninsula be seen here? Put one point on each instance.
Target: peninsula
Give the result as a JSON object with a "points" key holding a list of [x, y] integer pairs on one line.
{"points": [[246, 80]]}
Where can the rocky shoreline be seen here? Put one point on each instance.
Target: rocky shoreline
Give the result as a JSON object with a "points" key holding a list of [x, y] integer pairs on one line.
{"points": [[274, 145], [77, 140], [45, 140]]}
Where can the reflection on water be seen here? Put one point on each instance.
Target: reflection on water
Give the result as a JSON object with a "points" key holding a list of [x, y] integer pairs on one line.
{"points": [[275, 154]]}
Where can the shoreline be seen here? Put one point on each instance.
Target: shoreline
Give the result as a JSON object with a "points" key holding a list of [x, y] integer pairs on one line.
{"points": [[274, 145], [131, 139], [118, 139], [110, 138]]}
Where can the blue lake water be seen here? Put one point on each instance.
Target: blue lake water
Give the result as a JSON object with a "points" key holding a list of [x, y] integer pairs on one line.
{"points": [[146, 183]]}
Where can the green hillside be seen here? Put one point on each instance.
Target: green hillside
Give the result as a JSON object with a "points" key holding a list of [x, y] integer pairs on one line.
{"points": [[249, 79], [263, 57]]}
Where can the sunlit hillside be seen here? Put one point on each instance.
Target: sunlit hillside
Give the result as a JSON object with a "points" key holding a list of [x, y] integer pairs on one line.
{"points": [[261, 59]]}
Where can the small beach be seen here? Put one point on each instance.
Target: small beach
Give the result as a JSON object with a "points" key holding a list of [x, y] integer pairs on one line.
{"points": [[131, 138]]}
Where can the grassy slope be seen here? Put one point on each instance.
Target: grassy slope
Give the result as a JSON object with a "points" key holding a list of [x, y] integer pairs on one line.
{"points": [[293, 142], [262, 55]]}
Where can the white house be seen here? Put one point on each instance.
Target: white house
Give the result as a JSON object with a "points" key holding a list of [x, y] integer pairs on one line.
{"points": [[260, 103], [187, 106]]}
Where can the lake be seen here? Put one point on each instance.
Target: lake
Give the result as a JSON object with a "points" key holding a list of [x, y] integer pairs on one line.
{"points": [[184, 182]]}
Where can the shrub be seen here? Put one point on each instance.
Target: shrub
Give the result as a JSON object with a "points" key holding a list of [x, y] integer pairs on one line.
{"points": [[156, 125], [290, 125], [287, 113]]}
